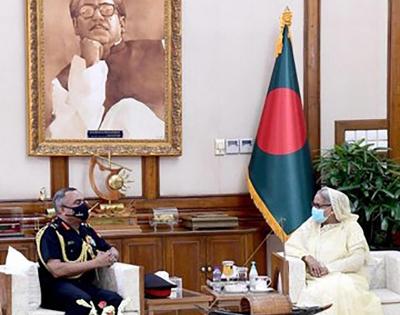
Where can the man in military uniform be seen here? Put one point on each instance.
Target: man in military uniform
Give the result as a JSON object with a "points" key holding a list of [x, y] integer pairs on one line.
{"points": [[69, 252]]}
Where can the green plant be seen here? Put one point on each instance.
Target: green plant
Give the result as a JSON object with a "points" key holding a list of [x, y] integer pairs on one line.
{"points": [[371, 181]]}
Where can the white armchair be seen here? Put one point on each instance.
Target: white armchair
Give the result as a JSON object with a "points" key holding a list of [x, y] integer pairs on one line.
{"points": [[20, 293], [383, 272]]}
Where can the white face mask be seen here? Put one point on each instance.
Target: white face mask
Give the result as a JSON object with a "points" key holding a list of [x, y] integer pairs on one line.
{"points": [[318, 215]]}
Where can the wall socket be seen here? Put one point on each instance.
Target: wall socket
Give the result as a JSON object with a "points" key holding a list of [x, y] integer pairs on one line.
{"points": [[232, 146], [219, 146], [246, 145]]}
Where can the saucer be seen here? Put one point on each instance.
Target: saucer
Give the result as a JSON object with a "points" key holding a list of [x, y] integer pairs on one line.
{"points": [[261, 291], [235, 288]]}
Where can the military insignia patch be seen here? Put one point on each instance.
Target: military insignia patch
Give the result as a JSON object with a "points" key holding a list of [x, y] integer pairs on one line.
{"points": [[90, 240]]}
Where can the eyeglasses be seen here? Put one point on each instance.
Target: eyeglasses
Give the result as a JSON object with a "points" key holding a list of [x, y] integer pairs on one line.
{"points": [[87, 10], [317, 205]]}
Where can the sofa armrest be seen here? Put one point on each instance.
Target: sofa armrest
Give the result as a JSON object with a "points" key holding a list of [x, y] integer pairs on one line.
{"points": [[20, 291], [280, 273], [127, 280], [5, 293], [392, 269], [297, 277], [292, 272]]}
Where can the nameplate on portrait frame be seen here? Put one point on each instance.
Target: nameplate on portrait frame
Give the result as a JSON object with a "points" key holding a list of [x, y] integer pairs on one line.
{"points": [[105, 134]]}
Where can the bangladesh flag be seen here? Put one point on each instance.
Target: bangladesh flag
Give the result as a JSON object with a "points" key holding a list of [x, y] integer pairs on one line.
{"points": [[280, 178]]}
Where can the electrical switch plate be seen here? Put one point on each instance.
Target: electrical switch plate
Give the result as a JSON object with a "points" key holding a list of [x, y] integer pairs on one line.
{"points": [[219, 145], [232, 146], [246, 145]]}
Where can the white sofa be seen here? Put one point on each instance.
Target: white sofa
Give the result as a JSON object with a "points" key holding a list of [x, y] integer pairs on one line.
{"points": [[20, 292], [383, 273]]}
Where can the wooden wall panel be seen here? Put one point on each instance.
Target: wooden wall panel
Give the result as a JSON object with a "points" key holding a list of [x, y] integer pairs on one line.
{"points": [[229, 247], [185, 256], [145, 252], [150, 177], [394, 78], [312, 90], [59, 173]]}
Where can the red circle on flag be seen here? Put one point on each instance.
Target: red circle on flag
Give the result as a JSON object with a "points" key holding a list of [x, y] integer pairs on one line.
{"points": [[282, 129]]}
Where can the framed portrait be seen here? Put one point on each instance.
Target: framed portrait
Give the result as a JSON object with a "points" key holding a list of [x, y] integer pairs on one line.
{"points": [[104, 76]]}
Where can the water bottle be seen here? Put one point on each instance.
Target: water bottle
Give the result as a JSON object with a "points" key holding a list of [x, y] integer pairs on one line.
{"points": [[253, 274], [216, 275]]}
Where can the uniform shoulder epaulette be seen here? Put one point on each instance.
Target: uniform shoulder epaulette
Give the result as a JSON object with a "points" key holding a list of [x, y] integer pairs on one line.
{"points": [[87, 225], [40, 233], [45, 227], [54, 225]]}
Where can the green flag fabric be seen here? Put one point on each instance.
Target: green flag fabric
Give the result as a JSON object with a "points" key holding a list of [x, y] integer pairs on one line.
{"points": [[280, 176]]}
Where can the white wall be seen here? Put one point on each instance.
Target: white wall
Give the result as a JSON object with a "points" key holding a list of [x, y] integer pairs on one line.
{"points": [[20, 176], [228, 55], [353, 62]]}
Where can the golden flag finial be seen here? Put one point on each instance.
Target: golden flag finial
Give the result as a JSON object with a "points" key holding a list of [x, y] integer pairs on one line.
{"points": [[286, 20], [286, 17]]}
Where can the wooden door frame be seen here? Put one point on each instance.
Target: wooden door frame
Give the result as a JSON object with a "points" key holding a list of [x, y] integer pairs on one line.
{"points": [[393, 85], [312, 74]]}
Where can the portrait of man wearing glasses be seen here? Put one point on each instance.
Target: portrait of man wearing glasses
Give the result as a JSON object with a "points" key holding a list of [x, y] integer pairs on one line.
{"points": [[110, 83]]}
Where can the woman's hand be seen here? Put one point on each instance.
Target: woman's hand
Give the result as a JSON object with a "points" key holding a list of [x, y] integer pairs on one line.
{"points": [[315, 268]]}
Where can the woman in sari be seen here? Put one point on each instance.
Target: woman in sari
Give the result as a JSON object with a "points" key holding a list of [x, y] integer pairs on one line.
{"points": [[334, 249]]}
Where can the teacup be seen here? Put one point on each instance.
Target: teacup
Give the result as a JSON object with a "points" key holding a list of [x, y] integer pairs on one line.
{"points": [[262, 283]]}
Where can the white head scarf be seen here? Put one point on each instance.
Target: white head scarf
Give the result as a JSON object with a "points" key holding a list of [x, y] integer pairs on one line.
{"points": [[341, 205]]}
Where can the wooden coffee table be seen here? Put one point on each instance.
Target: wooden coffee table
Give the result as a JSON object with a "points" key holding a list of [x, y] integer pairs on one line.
{"points": [[188, 300], [229, 301]]}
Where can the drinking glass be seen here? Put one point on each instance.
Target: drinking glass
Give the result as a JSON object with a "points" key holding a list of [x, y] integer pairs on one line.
{"points": [[227, 268], [176, 292], [242, 273]]}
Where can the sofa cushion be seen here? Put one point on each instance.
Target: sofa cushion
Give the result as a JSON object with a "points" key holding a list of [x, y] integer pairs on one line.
{"points": [[387, 296], [42, 311]]}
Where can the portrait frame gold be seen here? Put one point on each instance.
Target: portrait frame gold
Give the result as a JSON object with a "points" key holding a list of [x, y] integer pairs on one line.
{"points": [[39, 145]]}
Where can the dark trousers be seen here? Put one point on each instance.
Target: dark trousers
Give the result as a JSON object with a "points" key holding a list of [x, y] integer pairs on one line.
{"points": [[62, 295]]}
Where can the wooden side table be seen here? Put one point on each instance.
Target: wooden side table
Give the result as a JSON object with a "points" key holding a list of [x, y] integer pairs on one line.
{"points": [[188, 301]]}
